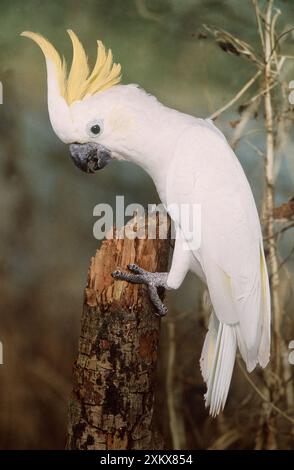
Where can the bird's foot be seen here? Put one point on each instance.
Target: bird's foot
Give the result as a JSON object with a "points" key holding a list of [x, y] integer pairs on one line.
{"points": [[154, 281]]}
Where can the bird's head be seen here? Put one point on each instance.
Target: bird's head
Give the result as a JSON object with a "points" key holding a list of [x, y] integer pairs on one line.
{"points": [[85, 107]]}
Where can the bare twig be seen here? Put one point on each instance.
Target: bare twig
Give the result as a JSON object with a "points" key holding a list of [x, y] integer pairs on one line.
{"points": [[258, 21], [273, 28], [262, 92], [144, 12], [282, 263], [176, 425], [279, 232], [240, 93], [278, 40], [241, 126], [233, 45], [269, 195], [259, 152], [262, 396]]}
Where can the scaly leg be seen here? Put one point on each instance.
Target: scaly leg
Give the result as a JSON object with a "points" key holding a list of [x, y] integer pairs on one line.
{"points": [[154, 281]]}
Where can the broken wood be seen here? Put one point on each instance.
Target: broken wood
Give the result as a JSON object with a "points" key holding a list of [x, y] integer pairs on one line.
{"points": [[111, 405]]}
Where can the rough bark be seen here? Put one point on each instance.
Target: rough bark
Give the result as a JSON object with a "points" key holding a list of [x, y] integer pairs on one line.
{"points": [[111, 406]]}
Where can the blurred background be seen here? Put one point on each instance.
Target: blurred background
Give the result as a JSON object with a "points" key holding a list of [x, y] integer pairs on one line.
{"points": [[46, 205]]}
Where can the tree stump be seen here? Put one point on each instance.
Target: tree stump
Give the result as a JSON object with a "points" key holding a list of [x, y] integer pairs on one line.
{"points": [[111, 405]]}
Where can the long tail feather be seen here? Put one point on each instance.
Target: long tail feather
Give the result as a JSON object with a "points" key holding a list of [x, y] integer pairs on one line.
{"points": [[217, 363]]}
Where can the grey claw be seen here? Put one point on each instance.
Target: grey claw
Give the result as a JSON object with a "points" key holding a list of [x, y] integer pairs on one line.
{"points": [[162, 311], [136, 269], [116, 274], [128, 277], [155, 299]]}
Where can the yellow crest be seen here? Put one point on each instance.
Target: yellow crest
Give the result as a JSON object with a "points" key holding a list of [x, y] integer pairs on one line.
{"points": [[80, 82]]}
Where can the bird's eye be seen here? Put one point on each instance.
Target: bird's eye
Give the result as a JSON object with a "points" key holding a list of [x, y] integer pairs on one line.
{"points": [[94, 128]]}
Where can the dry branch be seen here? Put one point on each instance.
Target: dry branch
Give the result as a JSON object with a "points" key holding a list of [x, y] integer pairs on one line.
{"points": [[111, 406]]}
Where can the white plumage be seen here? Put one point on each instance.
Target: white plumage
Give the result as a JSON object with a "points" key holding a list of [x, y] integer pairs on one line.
{"points": [[230, 259]]}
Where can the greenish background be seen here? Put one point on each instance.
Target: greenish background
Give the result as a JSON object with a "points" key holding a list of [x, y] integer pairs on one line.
{"points": [[46, 204]]}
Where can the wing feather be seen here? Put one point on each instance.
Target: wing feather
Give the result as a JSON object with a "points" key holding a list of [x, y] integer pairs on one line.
{"points": [[208, 173]]}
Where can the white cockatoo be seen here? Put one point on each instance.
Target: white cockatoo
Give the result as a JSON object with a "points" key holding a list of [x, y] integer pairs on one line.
{"points": [[190, 163]]}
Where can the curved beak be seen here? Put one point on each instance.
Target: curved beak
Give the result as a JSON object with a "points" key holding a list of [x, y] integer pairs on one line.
{"points": [[89, 157]]}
